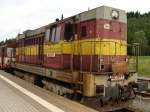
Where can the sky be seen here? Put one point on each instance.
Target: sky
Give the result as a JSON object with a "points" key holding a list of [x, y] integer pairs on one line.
{"points": [[17, 16]]}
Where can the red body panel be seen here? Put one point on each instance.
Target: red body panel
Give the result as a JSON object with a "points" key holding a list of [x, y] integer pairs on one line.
{"points": [[57, 62], [63, 62], [117, 30]]}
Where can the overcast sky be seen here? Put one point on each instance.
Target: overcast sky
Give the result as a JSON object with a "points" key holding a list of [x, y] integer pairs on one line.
{"points": [[19, 15]]}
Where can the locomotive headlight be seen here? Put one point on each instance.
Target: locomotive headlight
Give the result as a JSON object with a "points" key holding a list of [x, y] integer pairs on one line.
{"points": [[115, 14], [126, 59]]}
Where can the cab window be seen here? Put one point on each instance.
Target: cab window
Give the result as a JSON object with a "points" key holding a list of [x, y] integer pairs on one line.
{"points": [[68, 33], [55, 33]]}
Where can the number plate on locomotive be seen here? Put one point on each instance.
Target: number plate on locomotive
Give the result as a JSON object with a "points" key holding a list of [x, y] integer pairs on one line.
{"points": [[117, 77]]}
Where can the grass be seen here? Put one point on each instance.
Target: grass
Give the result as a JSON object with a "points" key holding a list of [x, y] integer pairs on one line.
{"points": [[144, 66]]}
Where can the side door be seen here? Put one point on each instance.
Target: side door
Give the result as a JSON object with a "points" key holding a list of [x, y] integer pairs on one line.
{"points": [[86, 55], [40, 47]]}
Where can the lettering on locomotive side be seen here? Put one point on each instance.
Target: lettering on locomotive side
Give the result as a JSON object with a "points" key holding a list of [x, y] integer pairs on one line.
{"points": [[51, 55]]}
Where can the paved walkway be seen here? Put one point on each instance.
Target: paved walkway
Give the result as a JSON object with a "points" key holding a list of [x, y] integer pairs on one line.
{"points": [[17, 95], [12, 100]]}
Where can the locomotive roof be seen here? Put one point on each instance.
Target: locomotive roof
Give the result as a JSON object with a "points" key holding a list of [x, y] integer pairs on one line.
{"points": [[29, 33], [103, 12]]}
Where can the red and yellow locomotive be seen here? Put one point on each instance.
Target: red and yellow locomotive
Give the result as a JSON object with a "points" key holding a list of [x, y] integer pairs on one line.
{"points": [[87, 51]]}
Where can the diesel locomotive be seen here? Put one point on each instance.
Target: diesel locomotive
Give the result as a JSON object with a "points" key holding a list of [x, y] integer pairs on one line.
{"points": [[83, 54]]}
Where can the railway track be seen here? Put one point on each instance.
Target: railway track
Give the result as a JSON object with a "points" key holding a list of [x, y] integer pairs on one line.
{"points": [[145, 81], [124, 110], [144, 93]]}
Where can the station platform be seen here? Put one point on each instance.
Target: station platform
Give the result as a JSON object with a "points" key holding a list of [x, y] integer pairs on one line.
{"points": [[17, 95]]}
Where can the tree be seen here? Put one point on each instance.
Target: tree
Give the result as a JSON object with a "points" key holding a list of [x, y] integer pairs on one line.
{"points": [[139, 29], [139, 37]]}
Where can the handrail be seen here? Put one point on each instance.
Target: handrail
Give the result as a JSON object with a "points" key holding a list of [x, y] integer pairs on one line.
{"points": [[80, 58], [71, 58], [91, 57]]}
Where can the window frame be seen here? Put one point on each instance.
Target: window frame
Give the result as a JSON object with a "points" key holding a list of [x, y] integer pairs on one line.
{"points": [[54, 32]]}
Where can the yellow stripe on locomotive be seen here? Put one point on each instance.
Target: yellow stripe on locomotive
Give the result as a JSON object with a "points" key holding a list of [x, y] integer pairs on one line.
{"points": [[98, 47]]}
